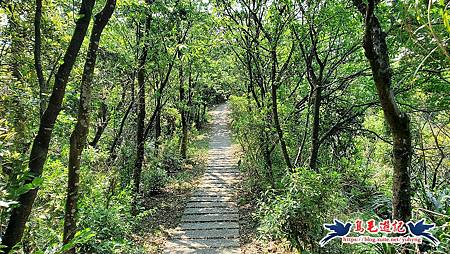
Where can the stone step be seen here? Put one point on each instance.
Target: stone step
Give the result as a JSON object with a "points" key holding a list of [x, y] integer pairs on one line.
{"points": [[221, 164], [218, 172], [227, 189], [214, 162], [208, 198], [210, 210], [207, 186], [209, 217], [192, 204], [208, 194], [219, 181], [229, 181], [213, 193], [203, 243], [222, 169], [233, 178], [209, 225], [217, 165], [207, 234], [222, 172], [221, 176], [187, 250]]}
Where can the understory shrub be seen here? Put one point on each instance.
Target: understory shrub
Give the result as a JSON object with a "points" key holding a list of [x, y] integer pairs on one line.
{"points": [[297, 210], [154, 180], [112, 226], [170, 161], [438, 212]]}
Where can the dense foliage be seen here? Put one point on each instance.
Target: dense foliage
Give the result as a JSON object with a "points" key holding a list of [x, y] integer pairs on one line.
{"points": [[309, 56], [307, 112]]}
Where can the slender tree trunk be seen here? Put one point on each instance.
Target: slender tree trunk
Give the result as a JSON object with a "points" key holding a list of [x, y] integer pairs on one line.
{"points": [[79, 134], [315, 127], [276, 118], [184, 124], [204, 110], [39, 150], [37, 56], [198, 123], [101, 126], [160, 93], [140, 121], [158, 122], [190, 93], [267, 158], [316, 83], [376, 51], [299, 158], [115, 143]]}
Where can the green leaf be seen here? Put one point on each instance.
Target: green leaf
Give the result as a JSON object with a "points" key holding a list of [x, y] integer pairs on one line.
{"points": [[81, 236], [37, 182]]}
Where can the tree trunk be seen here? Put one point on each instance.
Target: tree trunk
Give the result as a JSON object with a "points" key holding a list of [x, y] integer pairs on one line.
{"points": [[267, 158], [37, 57], [205, 106], [184, 127], [190, 93], [158, 123], [101, 126], [140, 121], [115, 143], [198, 124], [39, 150], [316, 82], [315, 127], [376, 51], [160, 93], [79, 134], [276, 119]]}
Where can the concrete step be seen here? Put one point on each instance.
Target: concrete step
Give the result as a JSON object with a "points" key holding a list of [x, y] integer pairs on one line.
{"points": [[214, 193], [187, 250], [192, 204], [204, 243], [209, 217], [209, 198], [219, 181], [209, 210], [209, 225], [207, 234], [221, 176], [220, 164], [222, 172], [207, 186]]}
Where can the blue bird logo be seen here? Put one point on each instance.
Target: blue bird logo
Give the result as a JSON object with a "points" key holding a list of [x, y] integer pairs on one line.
{"points": [[421, 229], [338, 229]]}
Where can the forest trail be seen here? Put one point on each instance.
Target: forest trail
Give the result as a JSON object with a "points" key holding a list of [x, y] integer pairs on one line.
{"points": [[210, 222]]}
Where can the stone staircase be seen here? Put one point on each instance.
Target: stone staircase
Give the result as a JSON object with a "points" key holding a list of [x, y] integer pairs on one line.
{"points": [[210, 222]]}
